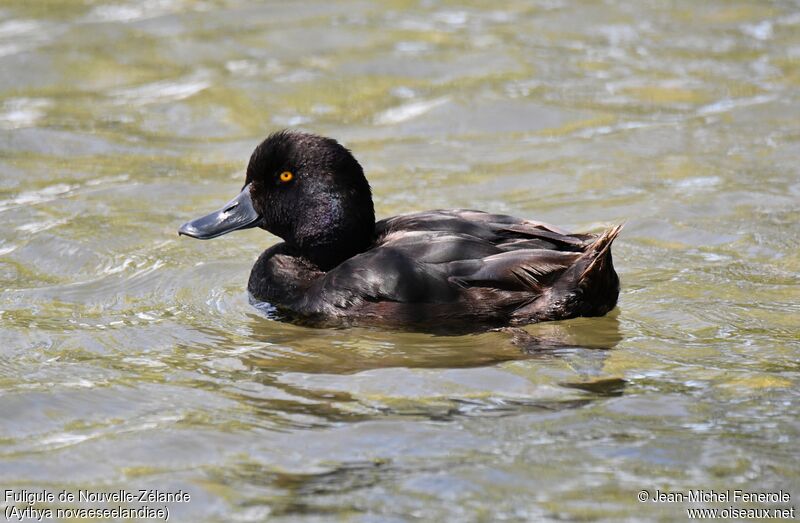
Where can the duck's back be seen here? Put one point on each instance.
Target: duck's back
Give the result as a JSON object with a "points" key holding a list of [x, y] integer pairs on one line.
{"points": [[468, 268]]}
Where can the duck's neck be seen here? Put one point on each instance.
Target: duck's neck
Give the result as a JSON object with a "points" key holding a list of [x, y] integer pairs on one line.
{"points": [[336, 231]]}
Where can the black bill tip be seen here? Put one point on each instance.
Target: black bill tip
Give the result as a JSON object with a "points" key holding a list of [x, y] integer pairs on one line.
{"points": [[189, 229]]}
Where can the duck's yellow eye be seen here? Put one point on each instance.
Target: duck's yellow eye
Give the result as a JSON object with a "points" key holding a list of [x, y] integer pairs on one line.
{"points": [[286, 176]]}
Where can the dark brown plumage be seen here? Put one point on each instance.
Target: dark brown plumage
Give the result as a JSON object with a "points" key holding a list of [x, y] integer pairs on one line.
{"points": [[444, 270]]}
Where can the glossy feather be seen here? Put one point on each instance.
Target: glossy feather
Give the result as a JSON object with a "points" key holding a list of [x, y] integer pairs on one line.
{"points": [[451, 269]]}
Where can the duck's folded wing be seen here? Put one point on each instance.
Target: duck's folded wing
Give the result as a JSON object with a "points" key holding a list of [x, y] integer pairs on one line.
{"points": [[391, 275], [447, 256], [524, 270]]}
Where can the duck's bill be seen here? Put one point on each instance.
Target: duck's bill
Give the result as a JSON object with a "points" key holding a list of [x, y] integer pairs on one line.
{"points": [[236, 214]]}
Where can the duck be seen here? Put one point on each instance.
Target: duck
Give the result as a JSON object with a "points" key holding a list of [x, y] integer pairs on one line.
{"points": [[437, 270]]}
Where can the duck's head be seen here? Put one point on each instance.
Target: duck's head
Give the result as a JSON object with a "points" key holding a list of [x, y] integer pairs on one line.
{"points": [[308, 190]]}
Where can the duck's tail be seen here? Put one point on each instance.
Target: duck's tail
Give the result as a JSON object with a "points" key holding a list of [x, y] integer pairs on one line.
{"points": [[589, 287], [594, 276], [596, 256]]}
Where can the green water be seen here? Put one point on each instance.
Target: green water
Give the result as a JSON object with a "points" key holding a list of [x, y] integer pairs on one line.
{"points": [[130, 358]]}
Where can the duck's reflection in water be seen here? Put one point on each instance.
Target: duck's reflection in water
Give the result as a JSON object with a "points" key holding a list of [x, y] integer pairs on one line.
{"points": [[305, 377], [297, 349]]}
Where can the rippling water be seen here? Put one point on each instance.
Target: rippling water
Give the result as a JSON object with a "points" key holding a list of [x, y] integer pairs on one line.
{"points": [[130, 358]]}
